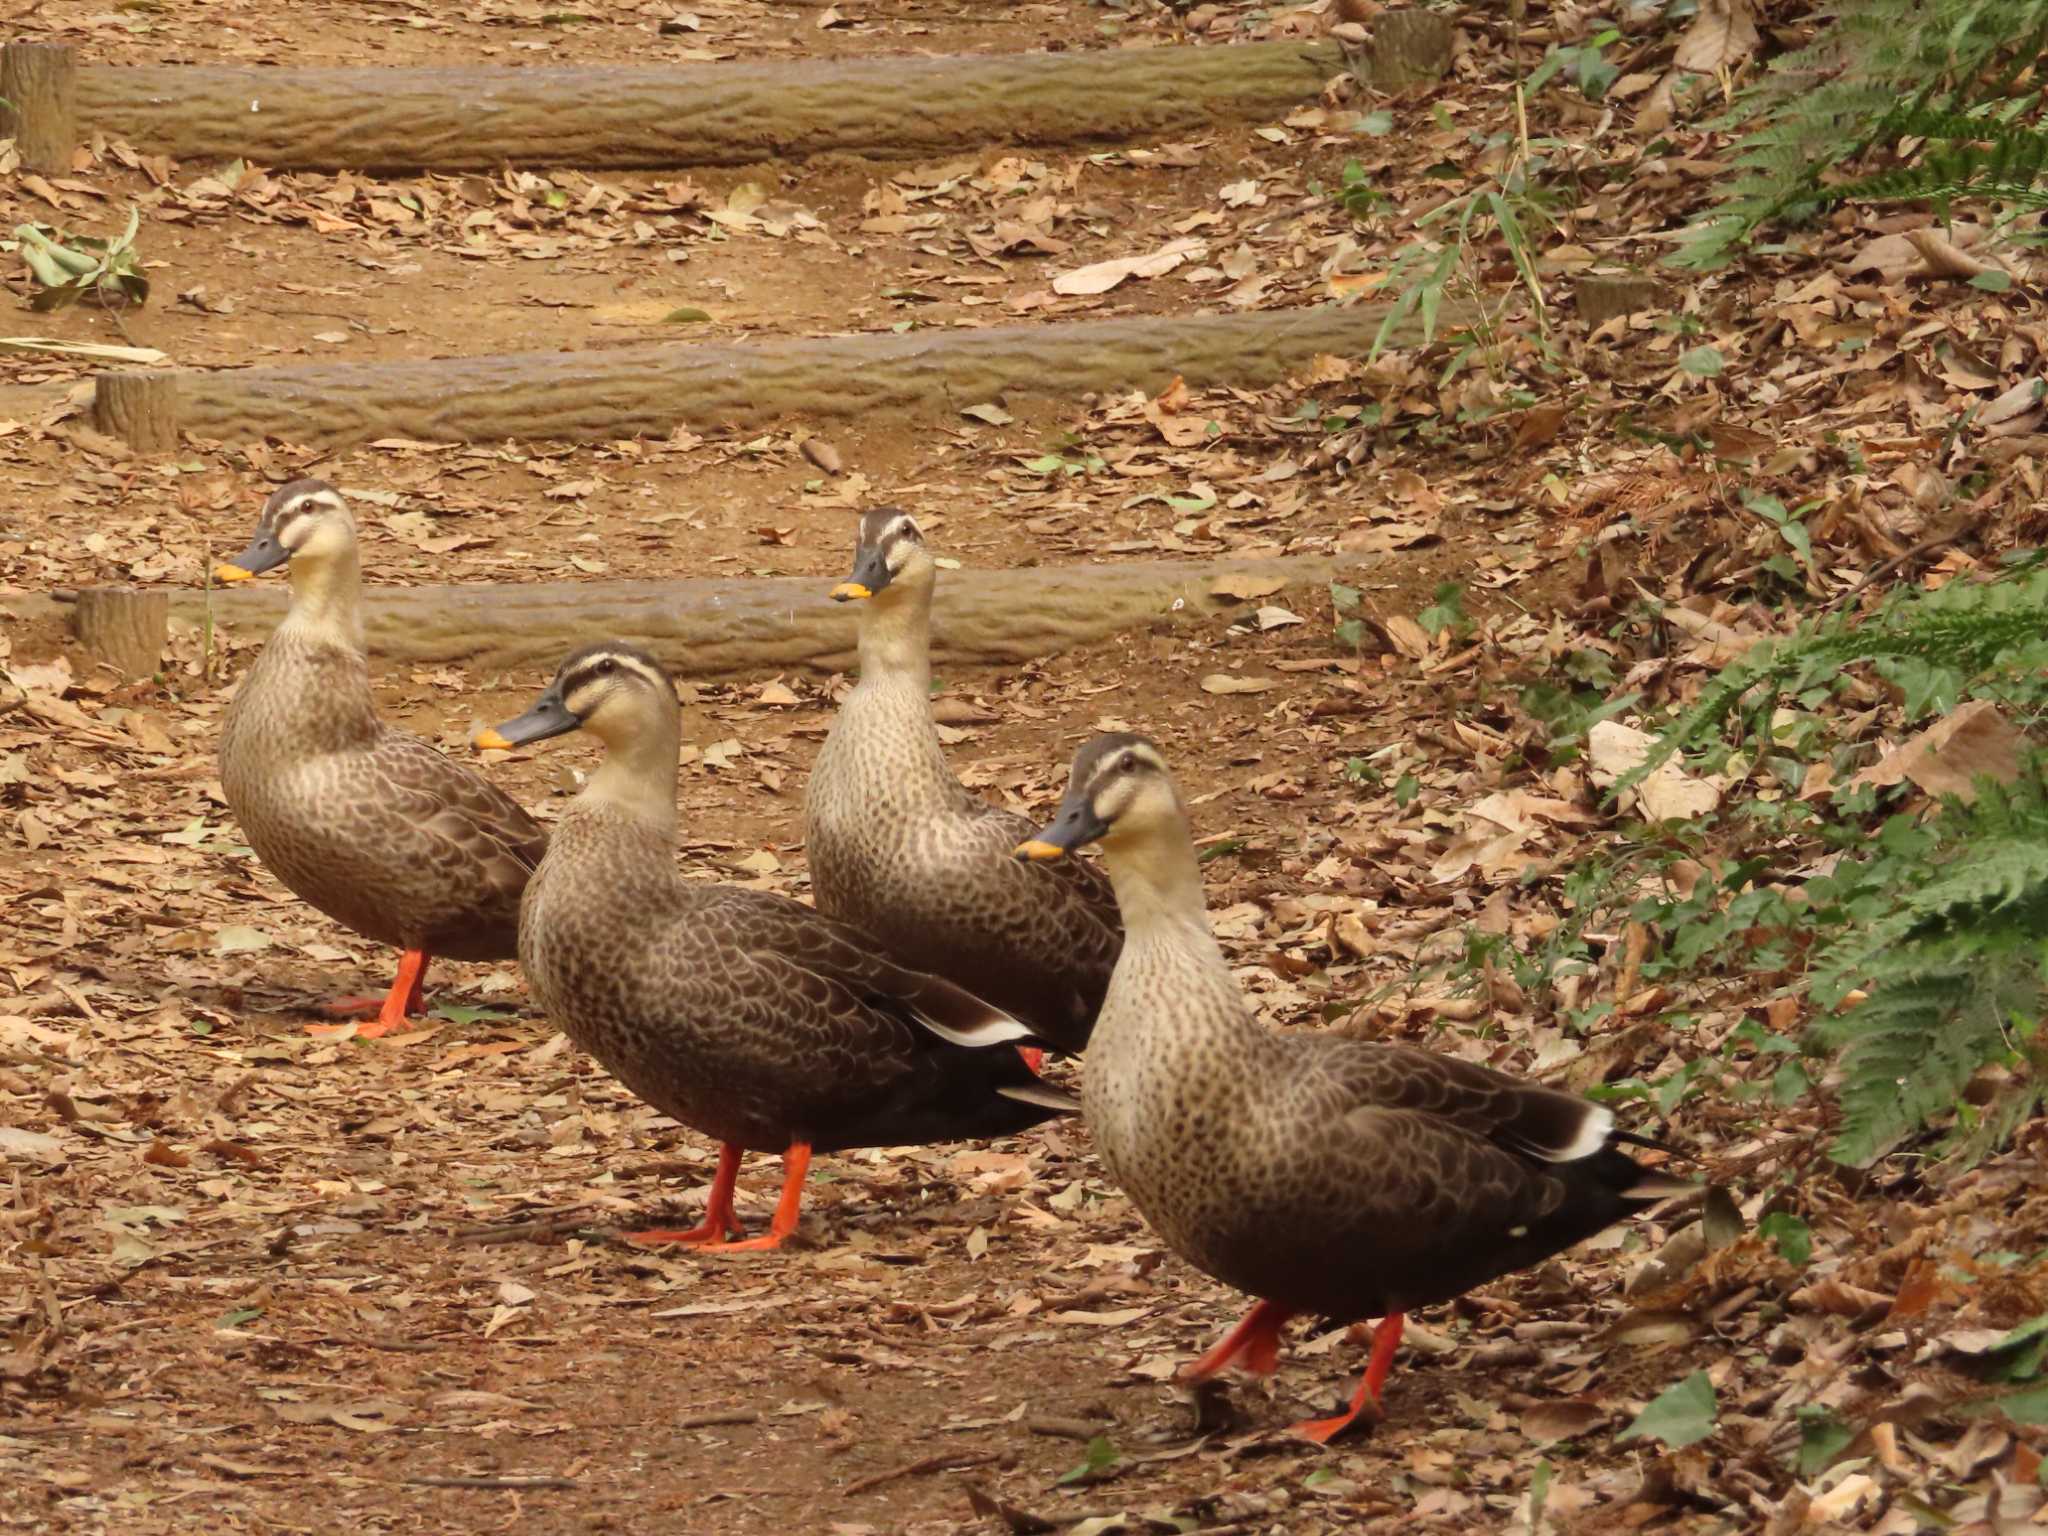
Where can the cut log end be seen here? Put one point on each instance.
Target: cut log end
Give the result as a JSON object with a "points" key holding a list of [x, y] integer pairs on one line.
{"points": [[124, 627], [140, 409], [1605, 296], [38, 103], [1409, 47]]}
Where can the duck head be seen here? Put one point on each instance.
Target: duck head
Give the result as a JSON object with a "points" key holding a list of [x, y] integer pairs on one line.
{"points": [[303, 519], [1119, 792], [888, 554], [611, 689]]}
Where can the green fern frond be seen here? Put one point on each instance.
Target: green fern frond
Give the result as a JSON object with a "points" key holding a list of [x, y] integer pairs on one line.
{"points": [[1872, 64], [1909, 1051], [1934, 645]]}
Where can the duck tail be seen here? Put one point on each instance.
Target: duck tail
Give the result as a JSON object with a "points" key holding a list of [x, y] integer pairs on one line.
{"points": [[956, 1015], [1044, 1095], [1651, 1186]]}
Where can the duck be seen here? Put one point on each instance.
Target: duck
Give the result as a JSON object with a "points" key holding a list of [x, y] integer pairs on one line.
{"points": [[743, 1014], [370, 825], [898, 847], [1321, 1175]]}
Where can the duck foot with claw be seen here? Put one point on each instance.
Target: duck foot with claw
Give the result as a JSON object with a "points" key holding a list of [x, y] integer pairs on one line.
{"points": [[719, 1221], [1257, 1338], [1386, 1338], [404, 998], [710, 1235]]}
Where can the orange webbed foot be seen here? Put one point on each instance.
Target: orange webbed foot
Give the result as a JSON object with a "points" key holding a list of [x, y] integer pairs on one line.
{"points": [[1365, 1402], [706, 1234], [404, 998], [1253, 1344]]}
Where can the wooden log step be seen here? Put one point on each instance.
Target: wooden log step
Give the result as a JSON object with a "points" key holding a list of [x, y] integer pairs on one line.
{"points": [[734, 628], [649, 390], [478, 118]]}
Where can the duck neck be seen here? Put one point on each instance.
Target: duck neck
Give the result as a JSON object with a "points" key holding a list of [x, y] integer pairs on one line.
{"points": [[892, 703], [638, 778], [1169, 949], [1158, 883], [895, 639], [327, 600]]}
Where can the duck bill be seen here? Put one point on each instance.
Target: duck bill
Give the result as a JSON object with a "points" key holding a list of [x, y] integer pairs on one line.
{"points": [[1074, 826], [548, 717], [263, 554], [870, 575]]}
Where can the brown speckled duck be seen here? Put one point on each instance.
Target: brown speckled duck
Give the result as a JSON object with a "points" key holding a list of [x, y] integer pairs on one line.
{"points": [[743, 1014], [898, 847], [373, 827], [1322, 1175]]}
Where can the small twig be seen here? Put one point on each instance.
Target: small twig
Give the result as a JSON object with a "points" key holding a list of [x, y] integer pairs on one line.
{"points": [[537, 1481], [1065, 1429], [723, 1416], [519, 1231], [950, 1462], [1878, 573]]}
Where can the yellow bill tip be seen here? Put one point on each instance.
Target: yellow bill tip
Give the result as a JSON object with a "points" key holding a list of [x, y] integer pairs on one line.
{"points": [[850, 592], [1038, 848], [488, 740], [226, 572]]}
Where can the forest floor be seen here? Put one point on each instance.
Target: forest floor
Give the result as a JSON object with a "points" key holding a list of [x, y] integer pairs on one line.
{"points": [[254, 1279]]}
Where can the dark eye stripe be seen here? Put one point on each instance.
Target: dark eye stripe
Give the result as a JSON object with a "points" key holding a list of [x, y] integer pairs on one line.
{"points": [[597, 669]]}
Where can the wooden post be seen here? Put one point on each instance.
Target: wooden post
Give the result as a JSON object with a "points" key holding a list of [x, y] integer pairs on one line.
{"points": [[40, 84], [731, 627], [742, 113], [124, 627], [141, 409], [648, 391]]}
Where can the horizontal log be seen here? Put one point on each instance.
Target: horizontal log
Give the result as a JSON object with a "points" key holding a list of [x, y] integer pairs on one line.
{"points": [[478, 118], [648, 391], [744, 628]]}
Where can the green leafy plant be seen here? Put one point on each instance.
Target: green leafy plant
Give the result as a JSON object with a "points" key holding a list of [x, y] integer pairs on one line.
{"points": [[76, 267], [1584, 64], [1679, 1416], [1954, 978], [1446, 612], [1964, 155], [1510, 212], [1356, 194]]}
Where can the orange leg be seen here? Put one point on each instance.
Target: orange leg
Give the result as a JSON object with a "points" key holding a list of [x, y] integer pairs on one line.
{"points": [[1034, 1058], [1385, 1340], [796, 1163], [1257, 1338], [391, 1009], [719, 1221]]}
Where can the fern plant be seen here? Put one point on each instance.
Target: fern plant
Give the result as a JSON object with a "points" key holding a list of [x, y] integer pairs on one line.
{"points": [[1967, 156], [1942, 928], [1956, 978], [1826, 104], [1968, 639]]}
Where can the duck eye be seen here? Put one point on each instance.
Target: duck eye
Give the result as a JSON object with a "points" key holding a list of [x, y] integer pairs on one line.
{"points": [[606, 666], [1128, 765]]}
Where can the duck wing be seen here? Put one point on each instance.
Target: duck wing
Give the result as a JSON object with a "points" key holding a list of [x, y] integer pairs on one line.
{"points": [[1043, 942], [462, 848], [1451, 1174], [858, 1050]]}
